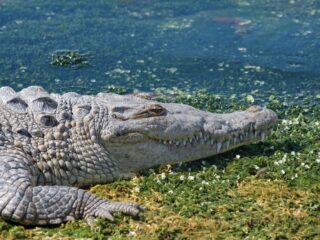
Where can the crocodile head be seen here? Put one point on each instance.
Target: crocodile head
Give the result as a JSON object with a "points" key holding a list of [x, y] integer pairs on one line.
{"points": [[140, 134]]}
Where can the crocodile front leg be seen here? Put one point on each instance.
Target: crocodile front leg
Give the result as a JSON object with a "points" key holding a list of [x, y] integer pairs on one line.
{"points": [[23, 202]]}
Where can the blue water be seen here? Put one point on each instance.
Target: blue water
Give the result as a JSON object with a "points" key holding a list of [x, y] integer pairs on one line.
{"points": [[225, 47]]}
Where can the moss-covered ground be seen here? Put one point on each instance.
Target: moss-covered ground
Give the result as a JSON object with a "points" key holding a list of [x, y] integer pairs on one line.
{"points": [[267, 190]]}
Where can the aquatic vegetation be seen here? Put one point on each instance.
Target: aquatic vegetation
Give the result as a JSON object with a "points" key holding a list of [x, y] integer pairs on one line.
{"points": [[266, 190], [116, 89], [66, 58]]}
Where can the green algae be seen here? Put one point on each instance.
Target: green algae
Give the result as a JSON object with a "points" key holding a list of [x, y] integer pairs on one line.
{"points": [[65, 58], [267, 190]]}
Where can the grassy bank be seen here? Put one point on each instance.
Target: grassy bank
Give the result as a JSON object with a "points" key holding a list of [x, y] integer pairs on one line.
{"points": [[267, 190]]}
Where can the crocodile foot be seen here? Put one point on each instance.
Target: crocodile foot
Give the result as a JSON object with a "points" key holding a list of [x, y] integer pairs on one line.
{"points": [[106, 209]]}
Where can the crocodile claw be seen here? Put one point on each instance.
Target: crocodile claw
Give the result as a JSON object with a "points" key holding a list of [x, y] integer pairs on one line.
{"points": [[106, 209]]}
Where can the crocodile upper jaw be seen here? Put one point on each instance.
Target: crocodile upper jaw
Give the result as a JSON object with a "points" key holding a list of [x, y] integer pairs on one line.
{"points": [[184, 134]]}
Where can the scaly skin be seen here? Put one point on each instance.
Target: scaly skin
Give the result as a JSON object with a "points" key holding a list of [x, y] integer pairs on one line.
{"points": [[52, 144]]}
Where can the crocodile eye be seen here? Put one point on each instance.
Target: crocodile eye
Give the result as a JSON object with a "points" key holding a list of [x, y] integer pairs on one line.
{"points": [[151, 110], [155, 110]]}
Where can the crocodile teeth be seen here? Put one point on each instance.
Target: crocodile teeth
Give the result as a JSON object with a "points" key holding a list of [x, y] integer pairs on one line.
{"points": [[241, 136], [251, 134], [227, 144], [219, 145], [204, 138], [263, 135]]}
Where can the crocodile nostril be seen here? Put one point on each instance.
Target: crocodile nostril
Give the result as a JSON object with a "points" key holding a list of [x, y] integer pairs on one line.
{"points": [[254, 108]]}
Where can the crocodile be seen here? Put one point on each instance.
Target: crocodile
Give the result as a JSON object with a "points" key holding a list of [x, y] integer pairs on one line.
{"points": [[54, 145]]}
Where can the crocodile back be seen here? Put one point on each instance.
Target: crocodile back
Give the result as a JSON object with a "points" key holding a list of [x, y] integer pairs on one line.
{"points": [[60, 133]]}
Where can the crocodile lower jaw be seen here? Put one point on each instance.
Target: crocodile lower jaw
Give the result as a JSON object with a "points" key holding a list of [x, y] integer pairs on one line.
{"points": [[220, 144]]}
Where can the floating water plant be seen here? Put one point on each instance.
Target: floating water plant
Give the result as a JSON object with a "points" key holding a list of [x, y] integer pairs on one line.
{"points": [[72, 58]]}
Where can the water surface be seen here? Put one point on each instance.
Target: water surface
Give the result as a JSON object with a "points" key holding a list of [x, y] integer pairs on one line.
{"points": [[226, 47]]}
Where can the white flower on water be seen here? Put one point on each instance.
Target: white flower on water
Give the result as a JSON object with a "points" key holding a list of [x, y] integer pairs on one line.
{"points": [[182, 178], [281, 161], [204, 182], [132, 233], [191, 178], [250, 99]]}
